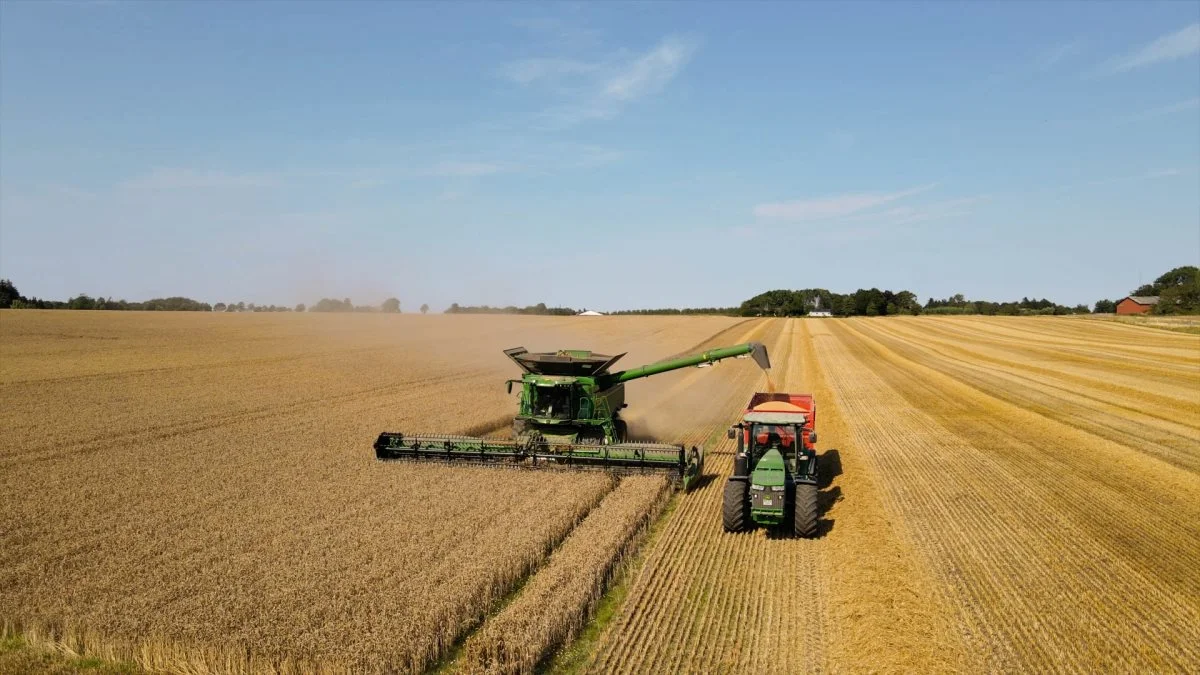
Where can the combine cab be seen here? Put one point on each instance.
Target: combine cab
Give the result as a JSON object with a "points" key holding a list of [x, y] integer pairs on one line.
{"points": [[774, 481], [569, 415]]}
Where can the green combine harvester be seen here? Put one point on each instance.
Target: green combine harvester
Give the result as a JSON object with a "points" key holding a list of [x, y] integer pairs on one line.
{"points": [[570, 416]]}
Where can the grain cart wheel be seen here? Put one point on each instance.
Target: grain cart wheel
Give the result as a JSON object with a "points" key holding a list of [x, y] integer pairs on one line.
{"points": [[735, 505], [805, 516]]}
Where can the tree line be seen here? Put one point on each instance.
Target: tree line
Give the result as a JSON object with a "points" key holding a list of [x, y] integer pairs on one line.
{"points": [[868, 302], [11, 298], [539, 309]]}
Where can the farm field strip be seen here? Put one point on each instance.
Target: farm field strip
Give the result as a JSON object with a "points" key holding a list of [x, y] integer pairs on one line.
{"points": [[558, 600], [1169, 429], [198, 509], [707, 601], [1131, 377], [1043, 412], [654, 628], [1032, 578], [1086, 340], [1157, 535]]}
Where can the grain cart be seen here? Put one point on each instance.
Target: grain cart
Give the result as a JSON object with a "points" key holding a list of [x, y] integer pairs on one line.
{"points": [[774, 479], [569, 415]]}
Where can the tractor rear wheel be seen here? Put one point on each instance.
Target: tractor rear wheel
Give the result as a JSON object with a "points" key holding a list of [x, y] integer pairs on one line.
{"points": [[805, 516], [735, 506]]}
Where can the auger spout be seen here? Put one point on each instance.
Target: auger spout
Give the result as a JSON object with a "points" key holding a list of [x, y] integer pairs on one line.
{"points": [[755, 349]]}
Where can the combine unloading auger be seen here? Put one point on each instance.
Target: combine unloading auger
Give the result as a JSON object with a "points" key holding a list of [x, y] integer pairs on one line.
{"points": [[569, 417]]}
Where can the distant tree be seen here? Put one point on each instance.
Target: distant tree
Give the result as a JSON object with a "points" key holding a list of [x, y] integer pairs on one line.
{"points": [[391, 306], [241, 307], [425, 309], [300, 307], [331, 305], [1179, 276], [1105, 307], [219, 307], [20, 303], [81, 301], [1178, 291], [8, 293], [453, 308]]}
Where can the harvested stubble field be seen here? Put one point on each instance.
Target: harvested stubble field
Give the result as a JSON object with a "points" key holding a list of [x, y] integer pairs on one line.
{"points": [[197, 492]]}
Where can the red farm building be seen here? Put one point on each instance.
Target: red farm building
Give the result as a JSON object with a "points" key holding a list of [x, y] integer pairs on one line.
{"points": [[1135, 304]]}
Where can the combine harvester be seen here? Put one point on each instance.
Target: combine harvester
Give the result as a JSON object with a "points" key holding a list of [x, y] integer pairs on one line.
{"points": [[569, 416]]}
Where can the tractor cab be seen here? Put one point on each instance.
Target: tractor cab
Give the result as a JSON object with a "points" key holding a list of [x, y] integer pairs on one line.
{"points": [[778, 437]]}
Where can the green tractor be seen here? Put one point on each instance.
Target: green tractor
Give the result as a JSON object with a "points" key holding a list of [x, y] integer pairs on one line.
{"points": [[569, 415], [774, 481]]}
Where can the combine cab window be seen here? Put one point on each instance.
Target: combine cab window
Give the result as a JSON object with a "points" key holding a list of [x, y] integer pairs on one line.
{"points": [[552, 403]]}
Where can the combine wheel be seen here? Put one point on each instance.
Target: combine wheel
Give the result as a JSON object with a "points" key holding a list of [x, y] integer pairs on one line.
{"points": [[805, 517], [622, 431], [735, 506]]}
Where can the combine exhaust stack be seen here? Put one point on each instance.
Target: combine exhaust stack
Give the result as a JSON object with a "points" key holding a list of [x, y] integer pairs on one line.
{"points": [[569, 417]]}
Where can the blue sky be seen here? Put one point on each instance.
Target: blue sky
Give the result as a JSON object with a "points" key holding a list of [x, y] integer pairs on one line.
{"points": [[596, 155]]}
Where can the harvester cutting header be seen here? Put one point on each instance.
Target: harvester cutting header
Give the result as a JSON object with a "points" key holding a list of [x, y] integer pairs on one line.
{"points": [[569, 414]]}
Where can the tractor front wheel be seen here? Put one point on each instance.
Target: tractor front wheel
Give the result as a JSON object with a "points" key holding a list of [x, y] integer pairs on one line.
{"points": [[735, 506], [805, 517]]}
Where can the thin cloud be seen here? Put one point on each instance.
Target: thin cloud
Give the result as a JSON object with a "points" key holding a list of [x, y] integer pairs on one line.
{"points": [[837, 206], [602, 88], [950, 208], [1171, 47], [651, 72], [192, 179]]}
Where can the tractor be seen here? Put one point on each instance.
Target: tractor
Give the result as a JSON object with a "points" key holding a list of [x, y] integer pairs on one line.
{"points": [[774, 481]]}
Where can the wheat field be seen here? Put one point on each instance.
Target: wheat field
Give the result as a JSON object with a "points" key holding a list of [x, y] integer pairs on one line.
{"points": [[197, 493]]}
